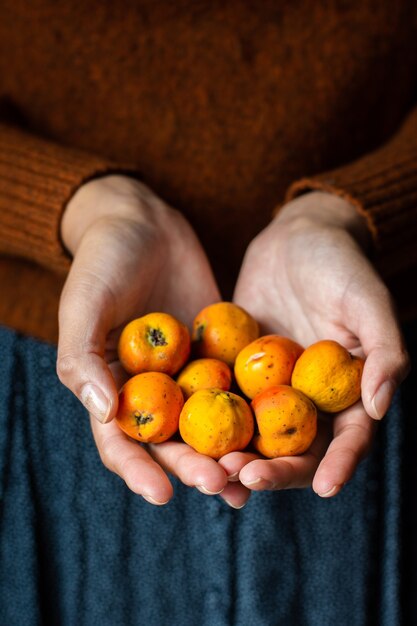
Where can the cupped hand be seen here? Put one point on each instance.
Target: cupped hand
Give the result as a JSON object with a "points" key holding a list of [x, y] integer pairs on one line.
{"points": [[132, 255], [307, 276]]}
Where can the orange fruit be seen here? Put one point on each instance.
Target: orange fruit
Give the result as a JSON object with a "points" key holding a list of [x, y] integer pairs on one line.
{"points": [[221, 330], [215, 422], [329, 375], [266, 362], [149, 407], [156, 342], [203, 374], [287, 422]]}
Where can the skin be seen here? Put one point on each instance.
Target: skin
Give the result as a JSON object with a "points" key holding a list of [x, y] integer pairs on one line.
{"points": [[129, 253], [132, 255], [327, 288]]}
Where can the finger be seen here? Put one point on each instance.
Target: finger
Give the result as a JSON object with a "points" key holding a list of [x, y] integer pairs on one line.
{"points": [[234, 462], [291, 472], [387, 362], [280, 473], [119, 374], [132, 463], [192, 468], [84, 320], [86, 311], [353, 434], [235, 495]]}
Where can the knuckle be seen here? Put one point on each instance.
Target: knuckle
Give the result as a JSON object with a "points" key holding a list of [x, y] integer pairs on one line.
{"points": [[104, 451], [384, 293], [405, 362], [65, 366], [107, 463], [127, 465]]}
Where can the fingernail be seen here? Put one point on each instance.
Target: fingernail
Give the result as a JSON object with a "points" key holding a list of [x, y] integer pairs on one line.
{"points": [[95, 402], [256, 481], [153, 501], [206, 491], [328, 493], [233, 478], [266, 484], [382, 399], [234, 506]]}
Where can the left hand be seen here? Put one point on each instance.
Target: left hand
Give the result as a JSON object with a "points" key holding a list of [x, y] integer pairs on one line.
{"points": [[306, 276], [133, 254]]}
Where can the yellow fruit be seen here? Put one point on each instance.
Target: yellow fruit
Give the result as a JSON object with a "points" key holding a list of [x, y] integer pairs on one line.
{"points": [[204, 374], [215, 422], [221, 330], [329, 375], [287, 421]]}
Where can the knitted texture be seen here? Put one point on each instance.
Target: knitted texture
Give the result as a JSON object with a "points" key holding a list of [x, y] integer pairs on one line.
{"points": [[37, 179], [77, 547], [383, 186], [218, 106]]}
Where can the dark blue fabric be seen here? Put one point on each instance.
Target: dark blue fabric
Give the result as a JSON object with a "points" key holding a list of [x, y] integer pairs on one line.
{"points": [[78, 549]]}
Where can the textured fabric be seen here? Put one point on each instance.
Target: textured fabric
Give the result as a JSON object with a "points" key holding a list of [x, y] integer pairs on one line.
{"points": [[78, 549], [384, 188], [37, 178], [218, 106]]}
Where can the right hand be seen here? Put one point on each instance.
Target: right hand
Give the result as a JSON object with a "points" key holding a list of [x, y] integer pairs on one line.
{"points": [[132, 255]]}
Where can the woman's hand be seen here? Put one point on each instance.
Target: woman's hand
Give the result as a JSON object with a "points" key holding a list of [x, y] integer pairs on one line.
{"points": [[306, 277], [132, 255]]}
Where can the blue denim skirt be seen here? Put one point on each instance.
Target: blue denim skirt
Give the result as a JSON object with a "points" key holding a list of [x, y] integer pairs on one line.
{"points": [[77, 548]]}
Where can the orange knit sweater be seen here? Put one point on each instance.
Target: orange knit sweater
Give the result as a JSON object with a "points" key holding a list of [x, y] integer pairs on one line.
{"points": [[223, 108]]}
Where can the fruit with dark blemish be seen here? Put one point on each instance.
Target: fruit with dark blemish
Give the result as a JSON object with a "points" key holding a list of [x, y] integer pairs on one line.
{"points": [[221, 330], [286, 421], [149, 407], [156, 342]]}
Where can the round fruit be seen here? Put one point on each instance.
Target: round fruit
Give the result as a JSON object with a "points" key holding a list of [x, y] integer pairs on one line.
{"points": [[287, 422], [204, 374], [266, 362], [329, 375], [149, 407], [221, 330], [215, 422], [156, 342]]}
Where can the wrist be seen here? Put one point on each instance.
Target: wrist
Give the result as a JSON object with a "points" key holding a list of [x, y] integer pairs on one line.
{"points": [[321, 209], [109, 197]]}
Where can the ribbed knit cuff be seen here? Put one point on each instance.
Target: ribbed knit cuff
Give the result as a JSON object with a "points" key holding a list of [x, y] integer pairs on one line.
{"points": [[383, 187], [37, 179]]}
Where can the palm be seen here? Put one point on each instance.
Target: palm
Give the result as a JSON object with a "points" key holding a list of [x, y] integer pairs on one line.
{"points": [[306, 288], [133, 254], [144, 276]]}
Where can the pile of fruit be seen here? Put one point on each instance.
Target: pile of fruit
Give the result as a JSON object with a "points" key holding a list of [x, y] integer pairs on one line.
{"points": [[278, 386]]}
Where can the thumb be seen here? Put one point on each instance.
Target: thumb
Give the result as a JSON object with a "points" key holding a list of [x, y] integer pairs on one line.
{"points": [[387, 362], [85, 317]]}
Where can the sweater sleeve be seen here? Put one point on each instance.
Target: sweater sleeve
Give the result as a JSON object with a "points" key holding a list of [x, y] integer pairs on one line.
{"points": [[382, 185], [37, 178]]}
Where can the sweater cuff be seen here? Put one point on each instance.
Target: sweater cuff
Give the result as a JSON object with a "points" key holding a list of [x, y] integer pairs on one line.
{"points": [[383, 187], [37, 179]]}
